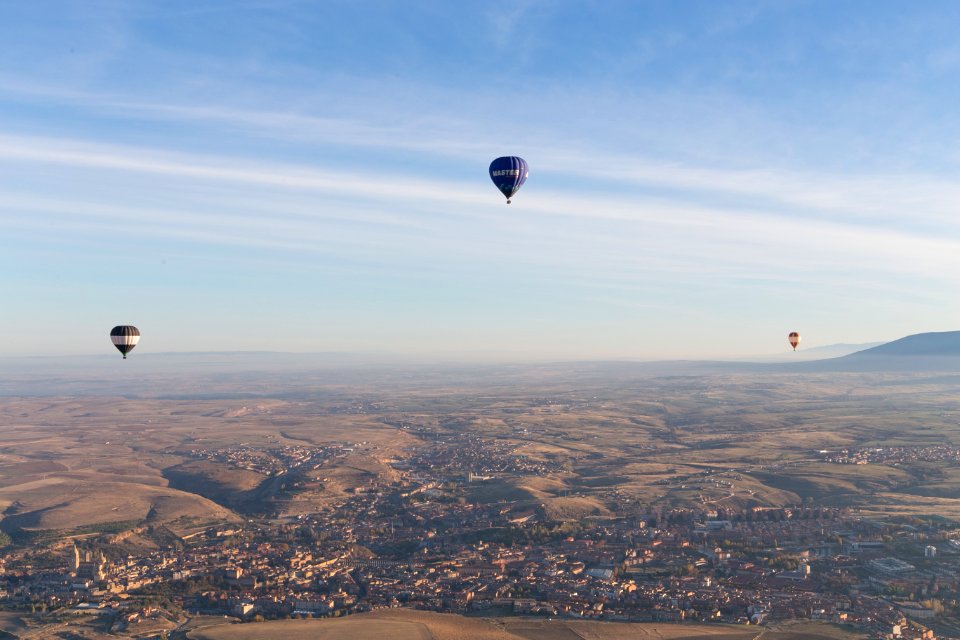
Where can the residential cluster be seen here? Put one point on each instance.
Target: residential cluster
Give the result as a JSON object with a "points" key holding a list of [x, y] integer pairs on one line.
{"points": [[269, 462], [420, 541], [893, 455]]}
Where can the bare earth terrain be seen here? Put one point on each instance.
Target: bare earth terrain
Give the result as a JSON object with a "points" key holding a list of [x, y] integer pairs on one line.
{"points": [[422, 625], [185, 460], [93, 462]]}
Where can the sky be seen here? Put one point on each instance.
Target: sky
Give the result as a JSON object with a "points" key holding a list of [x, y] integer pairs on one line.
{"points": [[705, 176]]}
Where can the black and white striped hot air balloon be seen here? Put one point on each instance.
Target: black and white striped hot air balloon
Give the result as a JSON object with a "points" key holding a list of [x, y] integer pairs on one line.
{"points": [[125, 337]]}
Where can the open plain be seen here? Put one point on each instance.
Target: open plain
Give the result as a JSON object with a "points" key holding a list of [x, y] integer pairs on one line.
{"points": [[604, 437], [624, 493]]}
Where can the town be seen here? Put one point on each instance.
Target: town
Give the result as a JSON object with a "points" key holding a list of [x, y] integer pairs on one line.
{"points": [[419, 541]]}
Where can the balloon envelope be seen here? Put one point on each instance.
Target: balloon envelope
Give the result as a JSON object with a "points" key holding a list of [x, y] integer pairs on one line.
{"points": [[125, 337], [508, 174], [794, 339]]}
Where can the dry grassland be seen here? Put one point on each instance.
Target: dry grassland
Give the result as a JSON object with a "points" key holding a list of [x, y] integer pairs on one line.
{"points": [[404, 624], [574, 508], [608, 437], [68, 463], [65, 503]]}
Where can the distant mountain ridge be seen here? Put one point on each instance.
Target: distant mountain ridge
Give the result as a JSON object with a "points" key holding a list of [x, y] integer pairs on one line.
{"points": [[849, 347], [934, 351], [288, 374], [942, 343]]}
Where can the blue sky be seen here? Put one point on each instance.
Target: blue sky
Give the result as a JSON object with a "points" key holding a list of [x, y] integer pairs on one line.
{"points": [[263, 175]]}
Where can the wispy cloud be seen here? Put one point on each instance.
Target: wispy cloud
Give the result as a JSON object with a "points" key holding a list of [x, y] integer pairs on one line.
{"points": [[506, 21], [109, 157], [892, 199], [626, 234]]}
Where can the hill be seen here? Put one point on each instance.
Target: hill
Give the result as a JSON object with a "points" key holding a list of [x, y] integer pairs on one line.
{"points": [[942, 343], [934, 351], [810, 353], [70, 501]]}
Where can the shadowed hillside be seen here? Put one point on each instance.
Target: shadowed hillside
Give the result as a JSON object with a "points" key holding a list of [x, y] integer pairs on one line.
{"points": [[942, 343], [937, 351]]}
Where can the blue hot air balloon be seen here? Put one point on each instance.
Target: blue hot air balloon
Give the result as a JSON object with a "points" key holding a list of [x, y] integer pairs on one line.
{"points": [[509, 173]]}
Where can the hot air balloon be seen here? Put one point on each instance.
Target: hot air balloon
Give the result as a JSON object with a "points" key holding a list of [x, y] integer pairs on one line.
{"points": [[794, 339], [125, 337], [508, 174]]}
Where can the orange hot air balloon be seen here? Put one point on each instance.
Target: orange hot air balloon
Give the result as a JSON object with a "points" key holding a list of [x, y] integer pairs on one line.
{"points": [[794, 339]]}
